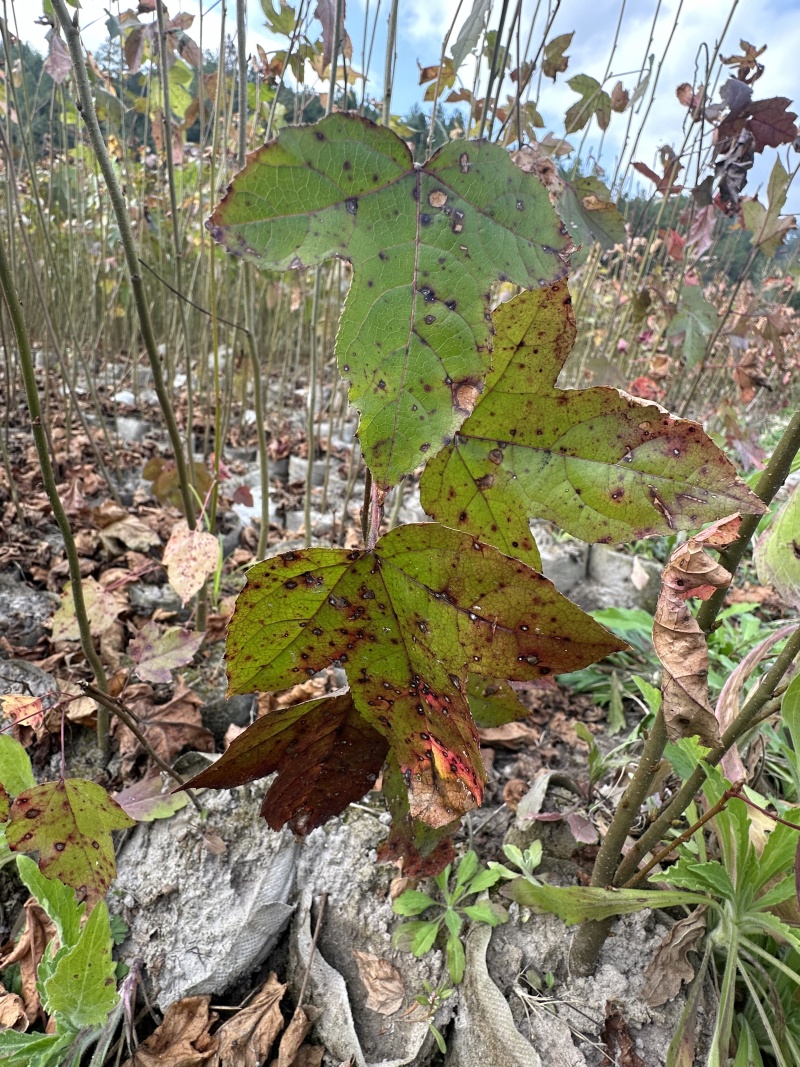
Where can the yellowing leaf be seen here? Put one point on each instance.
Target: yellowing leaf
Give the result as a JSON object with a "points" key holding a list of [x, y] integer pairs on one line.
{"points": [[69, 823], [190, 557], [103, 607]]}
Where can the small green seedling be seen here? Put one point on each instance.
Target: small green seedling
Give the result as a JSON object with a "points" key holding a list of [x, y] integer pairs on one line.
{"points": [[420, 935]]}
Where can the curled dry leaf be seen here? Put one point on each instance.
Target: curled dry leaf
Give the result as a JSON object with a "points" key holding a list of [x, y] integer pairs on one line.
{"points": [[246, 1040], [382, 981], [670, 965], [512, 735], [12, 1011], [190, 557], [28, 953], [618, 1044], [182, 1039], [678, 640]]}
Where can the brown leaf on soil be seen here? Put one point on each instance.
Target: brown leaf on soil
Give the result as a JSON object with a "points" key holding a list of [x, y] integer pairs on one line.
{"points": [[247, 1039], [679, 642], [169, 727], [28, 952], [309, 1056], [513, 792], [182, 1040], [670, 965], [190, 557], [512, 735], [293, 1037], [617, 1041], [12, 1011], [382, 981]]}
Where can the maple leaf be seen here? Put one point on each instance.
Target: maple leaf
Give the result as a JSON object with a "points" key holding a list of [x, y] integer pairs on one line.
{"points": [[69, 823], [426, 244], [554, 61], [409, 622], [766, 224], [326, 755], [663, 183], [594, 101], [601, 465]]}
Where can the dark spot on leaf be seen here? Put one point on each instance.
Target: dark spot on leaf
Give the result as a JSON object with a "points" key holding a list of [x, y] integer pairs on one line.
{"points": [[425, 447], [346, 165], [430, 319], [60, 846], [351, 205]]}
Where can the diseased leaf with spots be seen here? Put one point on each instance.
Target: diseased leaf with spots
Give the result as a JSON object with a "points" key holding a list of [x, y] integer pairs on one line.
{"points": [[426, 244], [103, 606], [602, 465], [190, 557], [409, 622], [777, 552], [422, 849], [69, 823], [493, 702], [590, 215], [157, 653], [326, 755]]}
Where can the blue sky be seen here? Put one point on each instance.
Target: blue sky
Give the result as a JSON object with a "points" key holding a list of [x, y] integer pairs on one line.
{"points": [[423, 23]]}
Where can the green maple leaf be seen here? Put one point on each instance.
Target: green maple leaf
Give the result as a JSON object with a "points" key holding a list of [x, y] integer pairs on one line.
{"points": [[602, 465], [426, 244], [409, 622], [693, 324], [69, 823], [590, 215], [326, 755], [594, 101]]}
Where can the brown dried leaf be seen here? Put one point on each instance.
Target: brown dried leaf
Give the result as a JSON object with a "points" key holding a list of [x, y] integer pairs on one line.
{"points": [[12, 1011], [247, 1039], [670, 965], [512, 735], [168, 727], [182, 1040], [678, 640], [28, 952], [382, 981], [293, 1037], [617, 1041]]}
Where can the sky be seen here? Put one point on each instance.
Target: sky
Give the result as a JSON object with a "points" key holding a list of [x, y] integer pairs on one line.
{"points": [[678, 34]]}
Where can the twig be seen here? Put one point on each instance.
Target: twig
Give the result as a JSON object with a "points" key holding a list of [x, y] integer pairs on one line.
{"points": [[317, 930], [124, 716]]}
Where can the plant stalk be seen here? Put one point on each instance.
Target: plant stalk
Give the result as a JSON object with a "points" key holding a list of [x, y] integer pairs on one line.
{"points": [[48, 478]]}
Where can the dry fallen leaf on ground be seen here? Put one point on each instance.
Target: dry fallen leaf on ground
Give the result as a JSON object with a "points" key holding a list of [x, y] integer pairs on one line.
{"points": [[294, 1035], [679, 642], [182, 1040], [169, 727], [247, 1039], [28, 952], [511, 735], [382, 981], [12, 1011], [670, 965]]}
